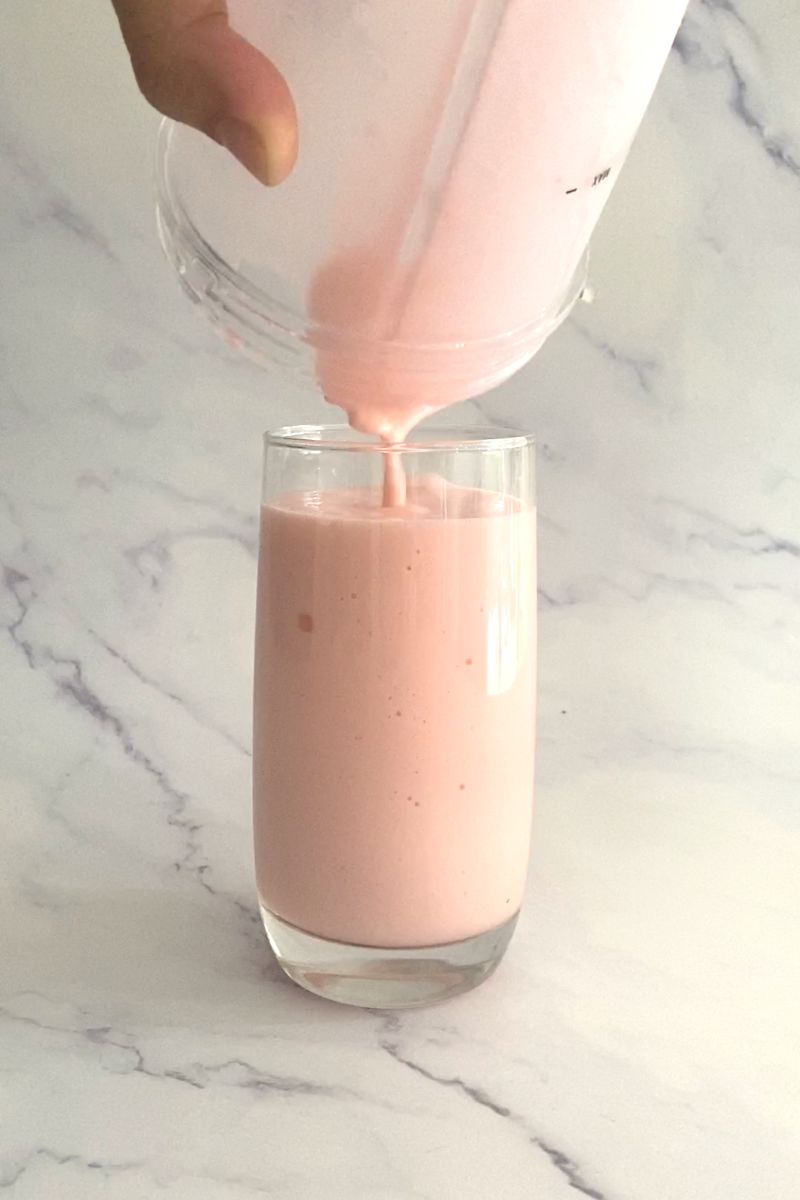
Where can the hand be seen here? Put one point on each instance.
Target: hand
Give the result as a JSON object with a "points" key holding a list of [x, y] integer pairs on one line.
{"points": [[192, 67]]}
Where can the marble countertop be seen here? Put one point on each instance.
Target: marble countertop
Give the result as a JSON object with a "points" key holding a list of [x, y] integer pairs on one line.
{"points": [[642, 1040]]}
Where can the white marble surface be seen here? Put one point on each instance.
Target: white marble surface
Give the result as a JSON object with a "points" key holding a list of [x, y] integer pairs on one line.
{"points": [[642, 1041]]}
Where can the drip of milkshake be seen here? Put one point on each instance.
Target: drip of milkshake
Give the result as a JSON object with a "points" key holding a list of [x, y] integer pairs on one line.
{"points": [[394, 480]]}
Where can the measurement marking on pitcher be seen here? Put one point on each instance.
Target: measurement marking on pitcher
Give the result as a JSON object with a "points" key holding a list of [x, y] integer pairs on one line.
{"points": [[600, 178]]}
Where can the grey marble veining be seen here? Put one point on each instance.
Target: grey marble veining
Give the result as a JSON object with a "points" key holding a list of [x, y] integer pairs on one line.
{"points": [[641, 1040]]}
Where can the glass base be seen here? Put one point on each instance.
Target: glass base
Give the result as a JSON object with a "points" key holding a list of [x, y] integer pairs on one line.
{"points": [[369, 977]]}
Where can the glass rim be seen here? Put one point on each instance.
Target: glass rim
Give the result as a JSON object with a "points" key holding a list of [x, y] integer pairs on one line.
{"points": [[437, 439]]}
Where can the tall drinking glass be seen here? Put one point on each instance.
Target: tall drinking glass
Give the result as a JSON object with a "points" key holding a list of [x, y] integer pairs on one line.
{"points": [[394, 708]]}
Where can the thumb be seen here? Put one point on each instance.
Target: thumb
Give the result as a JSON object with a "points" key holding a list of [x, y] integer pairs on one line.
{"points": [[193, 67]]}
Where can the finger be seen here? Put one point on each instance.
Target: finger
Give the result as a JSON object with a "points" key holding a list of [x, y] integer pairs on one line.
{"points": [[193, 67]]}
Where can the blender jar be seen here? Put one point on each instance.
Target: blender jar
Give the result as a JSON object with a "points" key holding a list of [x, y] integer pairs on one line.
{"points": [[454, 160]]}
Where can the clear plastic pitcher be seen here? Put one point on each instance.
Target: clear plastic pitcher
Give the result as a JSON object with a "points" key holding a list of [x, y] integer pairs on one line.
{"points": [[455, 156]]}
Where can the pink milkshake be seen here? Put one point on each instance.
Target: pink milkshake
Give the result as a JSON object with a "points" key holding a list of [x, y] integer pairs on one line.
{"points": [[455, 158], [394, 712]]}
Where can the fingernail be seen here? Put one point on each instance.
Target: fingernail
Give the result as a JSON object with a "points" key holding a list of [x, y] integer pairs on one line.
{"points": [[251, 148]]}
